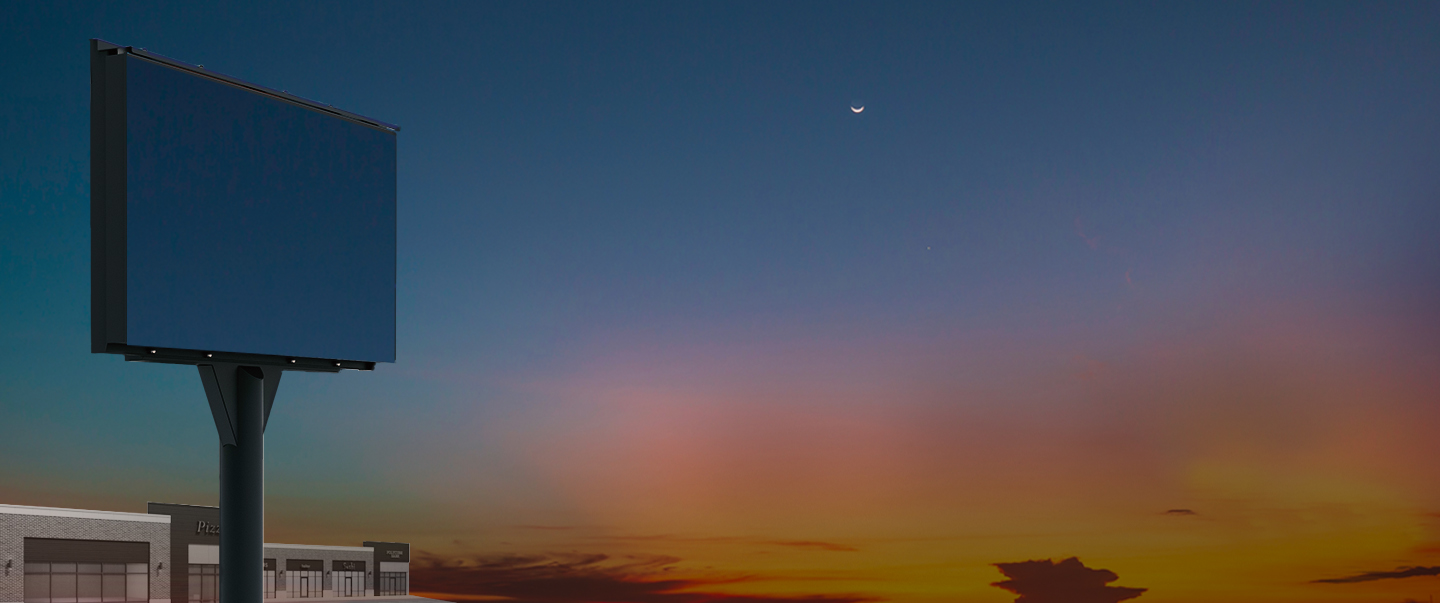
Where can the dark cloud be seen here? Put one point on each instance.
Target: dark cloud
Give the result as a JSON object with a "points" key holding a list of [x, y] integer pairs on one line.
{"points": [[804, 544], [1403, 572], [814, 544], [1180, 512], [1068, 581], [672, 538], [587, 578]]}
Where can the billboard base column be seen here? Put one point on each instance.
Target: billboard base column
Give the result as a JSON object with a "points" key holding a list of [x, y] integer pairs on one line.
{"points": [[240, 398]]}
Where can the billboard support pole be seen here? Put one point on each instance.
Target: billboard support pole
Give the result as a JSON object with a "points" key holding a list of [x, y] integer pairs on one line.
{"points": [[240, 399]]}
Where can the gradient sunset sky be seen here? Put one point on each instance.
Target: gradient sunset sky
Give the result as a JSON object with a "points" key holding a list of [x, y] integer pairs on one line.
{"points": [[1091, 298]]}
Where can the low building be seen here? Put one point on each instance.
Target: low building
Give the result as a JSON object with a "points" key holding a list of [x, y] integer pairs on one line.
{"points": [[171, 555]]}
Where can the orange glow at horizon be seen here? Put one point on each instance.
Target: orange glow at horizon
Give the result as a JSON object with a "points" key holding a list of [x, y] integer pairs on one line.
{"points": [[1195, 472]]}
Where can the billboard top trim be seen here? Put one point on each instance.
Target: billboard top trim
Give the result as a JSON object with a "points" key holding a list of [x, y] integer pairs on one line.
{"points": [[102, 45]]}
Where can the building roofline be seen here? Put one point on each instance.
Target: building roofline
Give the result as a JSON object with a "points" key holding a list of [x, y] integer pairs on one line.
{"points": [[83, 514], [181, 505], [321, 547]]}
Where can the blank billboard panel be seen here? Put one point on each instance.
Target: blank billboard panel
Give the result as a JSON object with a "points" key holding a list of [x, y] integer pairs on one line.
{"points": [[235, 219]]}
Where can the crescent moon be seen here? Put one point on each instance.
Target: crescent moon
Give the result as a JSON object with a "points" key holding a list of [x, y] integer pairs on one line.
{"points": [[857, 110]]}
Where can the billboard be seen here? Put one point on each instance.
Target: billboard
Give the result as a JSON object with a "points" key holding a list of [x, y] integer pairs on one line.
{"points": [[234, 222]]}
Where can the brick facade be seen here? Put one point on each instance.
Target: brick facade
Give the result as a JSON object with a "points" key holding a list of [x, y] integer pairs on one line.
{"points": [[170, 532], [15, 527]]}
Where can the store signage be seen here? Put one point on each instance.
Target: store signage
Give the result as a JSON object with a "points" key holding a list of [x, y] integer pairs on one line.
{"points": [[205, 527], [394, 554], [304, 565], [341, 565]]}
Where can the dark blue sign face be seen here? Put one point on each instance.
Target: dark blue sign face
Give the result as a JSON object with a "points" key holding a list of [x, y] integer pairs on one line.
{"points": [[254, 225]]}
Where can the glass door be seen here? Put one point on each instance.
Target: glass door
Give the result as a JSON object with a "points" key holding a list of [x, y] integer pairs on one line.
{"points": [[348, 583], [304, 584]]}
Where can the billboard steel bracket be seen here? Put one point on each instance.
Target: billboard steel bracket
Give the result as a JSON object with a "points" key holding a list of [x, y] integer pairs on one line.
{"points": [[219, 380]]}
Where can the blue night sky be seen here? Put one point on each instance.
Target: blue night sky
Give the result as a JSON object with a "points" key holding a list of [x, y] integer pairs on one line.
{"points": [[667, 307]]}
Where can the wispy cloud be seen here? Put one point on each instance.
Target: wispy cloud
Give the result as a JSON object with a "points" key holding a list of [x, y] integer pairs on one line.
{"points": [[1403, 572], [1068, 581], [1179, 512], [1091, 242], [1094, 242], [584, 578]]}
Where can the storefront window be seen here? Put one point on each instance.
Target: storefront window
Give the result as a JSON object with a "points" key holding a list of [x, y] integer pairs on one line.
{"points": [[204, 582], [86, 582], [305, 584], [37, 583], [269, 578], [393, 583]]}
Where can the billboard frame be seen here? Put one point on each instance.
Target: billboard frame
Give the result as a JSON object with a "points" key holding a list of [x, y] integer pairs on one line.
{"points": [[108, 198]]}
